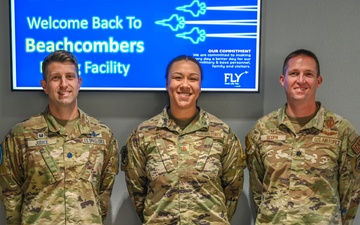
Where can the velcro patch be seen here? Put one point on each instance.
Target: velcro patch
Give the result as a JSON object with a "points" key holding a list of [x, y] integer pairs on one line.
{"points": [[40, 142], [95, 141], [326, 140], [273, 137], [209, 134], [356, 146]]}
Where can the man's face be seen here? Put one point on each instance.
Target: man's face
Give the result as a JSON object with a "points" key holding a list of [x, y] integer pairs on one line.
{"points": [[62, 84], [184, 84], [301, 81]]}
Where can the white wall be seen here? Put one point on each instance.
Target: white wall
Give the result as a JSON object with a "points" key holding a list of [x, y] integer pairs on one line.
{"points": [[330, 28]]}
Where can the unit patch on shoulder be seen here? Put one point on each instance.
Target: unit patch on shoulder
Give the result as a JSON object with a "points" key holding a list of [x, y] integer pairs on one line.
{"points": [[356, 146]]}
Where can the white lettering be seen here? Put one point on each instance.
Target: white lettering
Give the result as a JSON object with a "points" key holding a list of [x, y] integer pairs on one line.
{"points": [[109, 67], [98, 23], [57, 24]]}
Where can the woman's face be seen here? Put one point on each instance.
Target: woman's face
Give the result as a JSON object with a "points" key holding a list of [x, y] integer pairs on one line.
{"points": [[184, 84]]}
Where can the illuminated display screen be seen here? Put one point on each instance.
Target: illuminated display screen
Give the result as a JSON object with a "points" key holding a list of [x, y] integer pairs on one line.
{"points": [[126, 44]]}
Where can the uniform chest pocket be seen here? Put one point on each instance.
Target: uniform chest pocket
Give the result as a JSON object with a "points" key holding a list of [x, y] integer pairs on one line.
{"points": [[161, 159], [41, 168], [209, 160], [93, 167], [275, 151]]}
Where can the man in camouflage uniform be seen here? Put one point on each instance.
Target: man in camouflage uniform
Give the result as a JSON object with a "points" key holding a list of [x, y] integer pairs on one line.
{"points": [[303, 159], [184, 166], [58, 167]]}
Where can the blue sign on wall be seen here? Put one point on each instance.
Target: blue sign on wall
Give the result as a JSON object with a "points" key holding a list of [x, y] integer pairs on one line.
{"points": [[126, 44]]}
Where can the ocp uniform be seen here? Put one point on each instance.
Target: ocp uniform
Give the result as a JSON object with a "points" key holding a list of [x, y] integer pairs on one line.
{"points": [[58, 178], [304, 177], [190, 176]]}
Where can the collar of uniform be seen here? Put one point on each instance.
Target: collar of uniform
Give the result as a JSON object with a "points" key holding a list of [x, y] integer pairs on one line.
{"points": [[316, 122], [165, 121], [54, 126]]}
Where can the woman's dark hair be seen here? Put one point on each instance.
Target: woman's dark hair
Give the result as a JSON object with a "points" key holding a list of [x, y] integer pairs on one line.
{"points": [[186, 58]]}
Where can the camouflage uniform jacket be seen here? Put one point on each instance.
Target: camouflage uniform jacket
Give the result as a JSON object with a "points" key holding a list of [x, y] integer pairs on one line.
{"points": [[49, 177], [308, 177], [189, 176]]}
